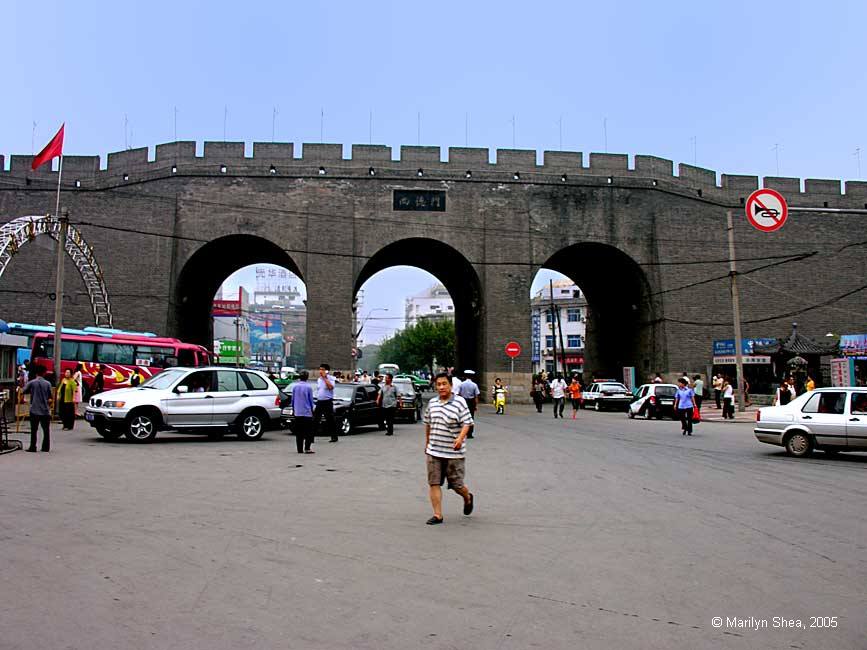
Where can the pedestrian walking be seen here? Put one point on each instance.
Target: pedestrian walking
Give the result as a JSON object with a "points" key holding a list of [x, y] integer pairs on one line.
{"points": [[575, 396], [66, 399], [135, 378], [538, 393], [698, 388], [40, 407], [302, 410], [98, 384], [79, 392], [498, 392], [747, 401], [717, 390], [469, 390], [558, 393], [810, 385], [456, 383], [728, 393], [447, 423], [386, 400], [685, 400], [657, 379], [325, 401]]}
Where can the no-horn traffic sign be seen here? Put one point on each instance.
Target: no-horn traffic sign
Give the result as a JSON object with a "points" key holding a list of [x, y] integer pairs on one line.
{"points": [[767, 210]]}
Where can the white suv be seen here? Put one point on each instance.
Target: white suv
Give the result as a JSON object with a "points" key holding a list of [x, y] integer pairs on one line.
{"points": [[189, 400]]}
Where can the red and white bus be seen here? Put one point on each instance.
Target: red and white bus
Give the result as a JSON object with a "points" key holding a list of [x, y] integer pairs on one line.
{"points": [[118, 354]]}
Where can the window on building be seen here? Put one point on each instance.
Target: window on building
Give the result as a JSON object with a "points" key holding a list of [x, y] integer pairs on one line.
{"points": [[549, 341], [573, 341], [573, 314], [549, 317]]}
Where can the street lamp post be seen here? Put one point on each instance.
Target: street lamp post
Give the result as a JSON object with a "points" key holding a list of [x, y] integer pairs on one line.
{"points": [[356, 334]]}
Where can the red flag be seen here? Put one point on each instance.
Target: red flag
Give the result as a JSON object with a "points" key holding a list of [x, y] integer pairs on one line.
{"points": [[52, 150]]}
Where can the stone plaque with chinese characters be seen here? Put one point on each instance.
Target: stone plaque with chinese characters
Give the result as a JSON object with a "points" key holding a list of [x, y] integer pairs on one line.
{"points": [[420, 200]]}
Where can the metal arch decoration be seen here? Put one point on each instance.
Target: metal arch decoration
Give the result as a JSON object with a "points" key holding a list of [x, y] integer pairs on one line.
{"points": [[14, 234]]}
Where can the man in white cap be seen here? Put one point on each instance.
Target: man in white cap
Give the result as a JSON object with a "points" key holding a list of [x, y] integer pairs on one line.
{"points": [[470, 392]]}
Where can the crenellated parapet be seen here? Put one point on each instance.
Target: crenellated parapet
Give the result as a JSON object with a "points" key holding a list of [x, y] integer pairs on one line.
{"points": [[463, 164]]}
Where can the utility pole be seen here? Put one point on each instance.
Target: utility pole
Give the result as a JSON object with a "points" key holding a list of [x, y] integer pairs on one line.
{"points": [[553, 317], [238, 340], [58, 300], [736, 310], [562, 347]]}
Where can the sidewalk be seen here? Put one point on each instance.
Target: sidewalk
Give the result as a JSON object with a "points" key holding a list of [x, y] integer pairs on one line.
{"points": [[710, 413]]}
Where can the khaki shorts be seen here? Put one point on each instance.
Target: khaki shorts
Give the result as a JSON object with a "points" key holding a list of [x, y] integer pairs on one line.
{"points": [[441, 469]]}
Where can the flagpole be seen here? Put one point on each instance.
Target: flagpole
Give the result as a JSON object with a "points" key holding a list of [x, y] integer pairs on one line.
{"points": [[58, 290]]}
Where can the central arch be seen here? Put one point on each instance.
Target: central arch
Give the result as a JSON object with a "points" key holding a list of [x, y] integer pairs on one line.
{"points": [[456, 274], [204, 272], [621, 319]]}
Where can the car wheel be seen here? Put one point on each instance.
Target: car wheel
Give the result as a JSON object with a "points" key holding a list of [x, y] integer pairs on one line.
{"points": [[630, 414], [141, 427], [250, 426], [799, 444], [107, 433], [346, 426], [648, 413], [597, 406], [413, 418]]}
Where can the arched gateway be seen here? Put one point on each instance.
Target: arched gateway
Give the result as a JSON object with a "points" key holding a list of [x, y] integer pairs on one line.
{"points": [[648, 247]]}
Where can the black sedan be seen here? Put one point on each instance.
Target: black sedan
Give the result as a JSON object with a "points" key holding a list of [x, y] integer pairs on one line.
{"points": [[354, 406]]}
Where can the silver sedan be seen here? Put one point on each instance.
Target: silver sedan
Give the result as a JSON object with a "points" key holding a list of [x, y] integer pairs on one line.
{"points": [[829, 419]]}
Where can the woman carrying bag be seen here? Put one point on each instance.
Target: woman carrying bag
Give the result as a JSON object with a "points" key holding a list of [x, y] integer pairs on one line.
{"points": [[685, 401]]}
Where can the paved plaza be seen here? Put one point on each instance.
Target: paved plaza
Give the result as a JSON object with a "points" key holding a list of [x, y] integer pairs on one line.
{"points": [[597, 533]]}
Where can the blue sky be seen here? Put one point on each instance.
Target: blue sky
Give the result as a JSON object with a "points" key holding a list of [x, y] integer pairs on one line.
{"points": [[734, 86]]}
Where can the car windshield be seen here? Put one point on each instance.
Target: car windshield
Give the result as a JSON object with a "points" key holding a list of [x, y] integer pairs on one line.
{"points": [[404, 387], [612, 387], [164, 379], [344, 391]]}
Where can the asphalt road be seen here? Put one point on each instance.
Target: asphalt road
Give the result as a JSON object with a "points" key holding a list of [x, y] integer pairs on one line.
{"points": [[596, 533]]}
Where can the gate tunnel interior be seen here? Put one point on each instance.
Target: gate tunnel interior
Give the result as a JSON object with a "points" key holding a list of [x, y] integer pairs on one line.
{"points": [[456, 274], [619, 309], [205, 271]]}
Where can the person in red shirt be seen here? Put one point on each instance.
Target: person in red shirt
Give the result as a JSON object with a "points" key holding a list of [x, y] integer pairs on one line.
{"points": [[575, 395]]}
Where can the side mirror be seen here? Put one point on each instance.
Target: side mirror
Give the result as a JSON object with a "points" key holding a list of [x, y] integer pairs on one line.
{"points": [[182, 389]]}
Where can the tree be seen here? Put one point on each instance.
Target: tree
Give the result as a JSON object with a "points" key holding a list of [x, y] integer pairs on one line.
{"points": [[419, 345]]}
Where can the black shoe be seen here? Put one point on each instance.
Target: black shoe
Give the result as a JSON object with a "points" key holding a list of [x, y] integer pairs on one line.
{"points": [[45, 450], [32, 451], [333, 440], [469, 436], [683, 433], [689, 434], [468, 505], [433, 521], [388, 434]]}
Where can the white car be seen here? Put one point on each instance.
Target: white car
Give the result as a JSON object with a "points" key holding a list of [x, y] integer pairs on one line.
{"points": [[653, 401], [189, 400], [829, 419], [607, 395]]}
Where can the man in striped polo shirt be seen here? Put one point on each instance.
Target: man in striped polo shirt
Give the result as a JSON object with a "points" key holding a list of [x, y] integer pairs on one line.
{"points": [[447, 422]]}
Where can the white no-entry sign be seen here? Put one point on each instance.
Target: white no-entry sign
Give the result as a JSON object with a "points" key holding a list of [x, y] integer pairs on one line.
{"points": [[767, 210]]}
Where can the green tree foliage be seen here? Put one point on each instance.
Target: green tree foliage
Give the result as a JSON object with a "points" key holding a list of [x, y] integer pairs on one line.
{"points": [[419, 345]]}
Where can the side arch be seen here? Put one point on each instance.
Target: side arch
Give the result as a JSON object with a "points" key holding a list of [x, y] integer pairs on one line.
{"points": [[454, 271], [622, 315], [206, 269], [18, 232]]}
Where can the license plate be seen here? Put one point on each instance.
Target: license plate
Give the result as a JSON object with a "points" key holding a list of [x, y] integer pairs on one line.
{"points": [[88, 417], [668, 402]]}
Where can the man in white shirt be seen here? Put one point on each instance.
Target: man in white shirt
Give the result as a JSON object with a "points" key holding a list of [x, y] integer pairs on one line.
{"points": [[558, 393]]}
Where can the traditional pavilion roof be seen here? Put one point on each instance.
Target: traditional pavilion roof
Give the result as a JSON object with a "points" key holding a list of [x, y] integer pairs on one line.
{"points": [[797, 343]]}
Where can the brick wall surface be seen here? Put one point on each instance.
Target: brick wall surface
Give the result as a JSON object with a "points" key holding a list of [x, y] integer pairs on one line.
{"points": [[147, 220]]}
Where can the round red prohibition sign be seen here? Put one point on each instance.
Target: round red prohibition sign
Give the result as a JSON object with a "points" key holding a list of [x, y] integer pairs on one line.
{"points": [[767, 210], [513, 349]]}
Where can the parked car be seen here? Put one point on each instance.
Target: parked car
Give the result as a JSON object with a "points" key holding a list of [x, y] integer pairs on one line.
{"points": [[354, 406], [188, 400], [829, 419], [653, 401], [607, 395], [418, 382], [408, 400]]}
